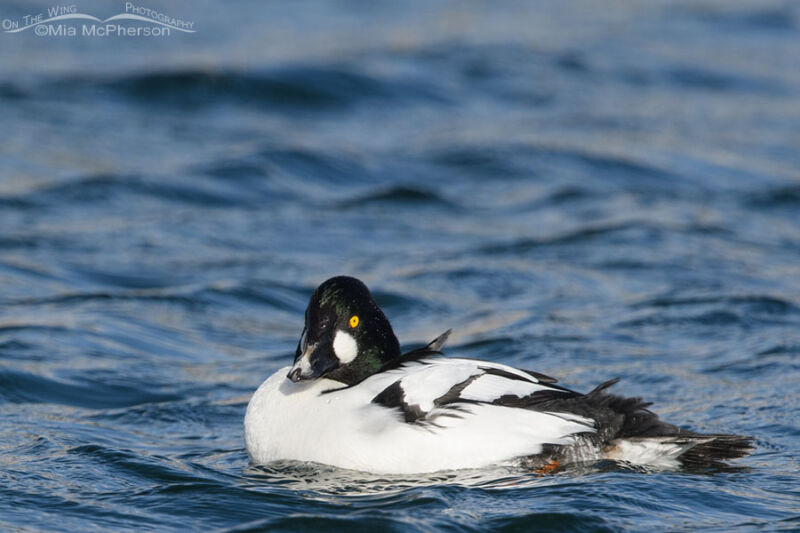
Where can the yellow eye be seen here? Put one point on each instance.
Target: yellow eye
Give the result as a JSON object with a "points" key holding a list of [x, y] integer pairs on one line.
{"points": [[353, 321]]}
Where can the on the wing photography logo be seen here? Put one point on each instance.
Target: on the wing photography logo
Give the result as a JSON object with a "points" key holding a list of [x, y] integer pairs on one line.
{"points": [[68, 21]]}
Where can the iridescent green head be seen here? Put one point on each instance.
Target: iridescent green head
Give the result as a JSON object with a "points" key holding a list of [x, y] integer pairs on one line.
{"points": [[346, 337]]}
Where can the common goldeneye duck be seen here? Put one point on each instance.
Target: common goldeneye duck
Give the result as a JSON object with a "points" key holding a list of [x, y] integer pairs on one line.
{"points": [[353, 400]]}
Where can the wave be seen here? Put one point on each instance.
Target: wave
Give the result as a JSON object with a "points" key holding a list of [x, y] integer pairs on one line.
{"points": [[146, 295], [132, 288], [23, 387], [130, 463], [294, 88], [714, 310], [781, 349], [698, 78], [754, 302], [290, 298], [516, 159], [314, 164], [11, 91], [401, 195], [767, 18], [635, 230], [99, 189], [709, 318], [18, 241], [787, 196]]}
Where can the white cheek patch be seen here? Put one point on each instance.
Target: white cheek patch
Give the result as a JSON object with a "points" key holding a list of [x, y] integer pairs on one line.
{"points": [[345, 347]]}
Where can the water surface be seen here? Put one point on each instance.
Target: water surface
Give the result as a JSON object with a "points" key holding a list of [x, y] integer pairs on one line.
{"points": [[585, 191]]}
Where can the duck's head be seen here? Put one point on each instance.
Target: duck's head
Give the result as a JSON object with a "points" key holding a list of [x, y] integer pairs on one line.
{"points": [[346, 337]]}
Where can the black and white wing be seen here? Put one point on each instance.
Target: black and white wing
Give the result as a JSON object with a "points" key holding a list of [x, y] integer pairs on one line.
{"points": [[501, 407], [427, 388]]}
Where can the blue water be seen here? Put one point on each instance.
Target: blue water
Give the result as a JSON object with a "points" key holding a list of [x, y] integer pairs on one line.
{"points": [[588, 190]]}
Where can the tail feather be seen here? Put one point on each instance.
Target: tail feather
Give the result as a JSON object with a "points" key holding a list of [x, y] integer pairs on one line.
{"points": [[626, 430], [641, 433], [687, 449], [717, 448]]}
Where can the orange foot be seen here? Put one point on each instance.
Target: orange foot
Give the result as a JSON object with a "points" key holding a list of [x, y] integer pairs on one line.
{"points": [[549, 468]]}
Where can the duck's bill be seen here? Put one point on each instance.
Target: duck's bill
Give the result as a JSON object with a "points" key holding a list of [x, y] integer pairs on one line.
{"points": [[316, 361]]}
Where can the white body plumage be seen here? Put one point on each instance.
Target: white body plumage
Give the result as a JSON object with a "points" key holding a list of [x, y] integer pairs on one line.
{"points": [[345, 428]]}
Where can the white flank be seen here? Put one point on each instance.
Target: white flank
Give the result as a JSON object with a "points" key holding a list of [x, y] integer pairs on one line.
{"points": [[287, 420]]}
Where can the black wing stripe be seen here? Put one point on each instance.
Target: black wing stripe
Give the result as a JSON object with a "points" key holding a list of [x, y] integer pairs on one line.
{"points": [[454, 394], [394, 396], [554, 398], [503, 374], [542, 378], [536, 401]]}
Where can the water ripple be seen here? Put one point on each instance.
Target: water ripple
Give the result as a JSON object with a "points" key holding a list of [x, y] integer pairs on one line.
{"points": [[23, 387], [585, 191], [290, 88]]}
